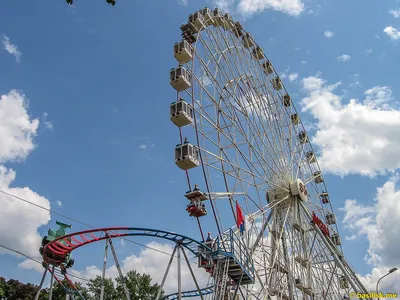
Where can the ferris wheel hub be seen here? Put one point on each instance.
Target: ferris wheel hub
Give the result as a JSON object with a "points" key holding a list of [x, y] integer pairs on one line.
{"points": [[298, 188]]}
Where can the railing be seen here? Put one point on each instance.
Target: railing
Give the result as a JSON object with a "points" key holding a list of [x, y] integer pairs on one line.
{"points": [[229, 244]]}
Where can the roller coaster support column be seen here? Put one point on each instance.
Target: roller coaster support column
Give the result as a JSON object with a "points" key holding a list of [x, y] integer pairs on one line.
{"points": [[191, 272], [179, 273], [119, 269], [41, 284], [104, 271], [166, 273], [51, 282]]}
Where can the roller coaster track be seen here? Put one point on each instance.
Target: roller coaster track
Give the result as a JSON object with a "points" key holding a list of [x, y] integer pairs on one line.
{"points": [[56, 251], [189, 294]]}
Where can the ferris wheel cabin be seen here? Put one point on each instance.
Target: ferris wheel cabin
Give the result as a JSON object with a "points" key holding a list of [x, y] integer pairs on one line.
{"points": [[218, 18], [330, 219], [238, 30], [277, 83], [303, 137], [228, 24], [324, 197], [181, 113], [197, 20], [247, 41], [295, 119], [310, 156], [207, 15], [267, 66], [180, 78], [258, 53], [318, 177], [336, 239], [186, 156], [183, 52]]}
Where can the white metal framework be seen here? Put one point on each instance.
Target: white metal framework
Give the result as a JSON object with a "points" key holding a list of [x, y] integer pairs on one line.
{"points": [[247, 145]]}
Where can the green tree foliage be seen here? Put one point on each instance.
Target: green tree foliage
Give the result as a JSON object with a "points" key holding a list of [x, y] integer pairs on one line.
{"points": [[94, 287], [138, 285], [2, 287]]}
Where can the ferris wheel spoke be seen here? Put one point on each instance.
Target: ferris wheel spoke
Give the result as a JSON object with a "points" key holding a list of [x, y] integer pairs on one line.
{"points": [[227, 79], [238, 100], [260, 84]]}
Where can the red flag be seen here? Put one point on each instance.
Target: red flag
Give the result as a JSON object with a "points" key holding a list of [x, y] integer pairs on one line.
{"points": [[239, 218]]}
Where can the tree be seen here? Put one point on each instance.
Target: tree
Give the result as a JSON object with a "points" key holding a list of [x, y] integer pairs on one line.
{"points": [[59, 292], [112, 2], [2, 287], [94, 287], [139, 286]]}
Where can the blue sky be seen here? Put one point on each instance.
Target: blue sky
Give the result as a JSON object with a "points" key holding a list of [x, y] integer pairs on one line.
{"points": [[96, 79]]}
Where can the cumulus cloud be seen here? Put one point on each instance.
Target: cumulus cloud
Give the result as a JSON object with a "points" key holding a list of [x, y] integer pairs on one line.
{"points": [[344, 58], [293, 76], [19, 221], [395, 13], [329, 34], [290, 7], [10, 48], [393, 33], [17, 129], [368, 51], [379, 223], [183, 2], [47, 123], [357, 137], [224, 5]]}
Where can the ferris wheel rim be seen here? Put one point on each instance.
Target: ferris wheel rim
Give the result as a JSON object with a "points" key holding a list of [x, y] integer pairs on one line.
{"points": [[309, 168]]}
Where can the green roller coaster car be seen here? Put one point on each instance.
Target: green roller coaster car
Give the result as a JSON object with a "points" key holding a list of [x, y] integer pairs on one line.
{"points": [[51, 236]]}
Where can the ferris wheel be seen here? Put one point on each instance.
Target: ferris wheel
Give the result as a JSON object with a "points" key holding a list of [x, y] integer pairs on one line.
{"points": [[253, 177]]}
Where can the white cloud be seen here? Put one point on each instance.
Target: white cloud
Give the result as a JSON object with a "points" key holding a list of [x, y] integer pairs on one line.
{"points": [[395, 13], [368, 51], [378, 96], [48, 124], [290, 7], [393, 33], [329, 34], [183, 2], [303, 62], [10, 48], [143, 146], [16, 129], [357, 137], [59, 203], [19, 221], [293, 76], [379, 223], [344, 58], [224, 5]]}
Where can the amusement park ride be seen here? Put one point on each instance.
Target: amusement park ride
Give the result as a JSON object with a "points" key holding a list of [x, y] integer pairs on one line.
{"points": [[250, 151]]}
